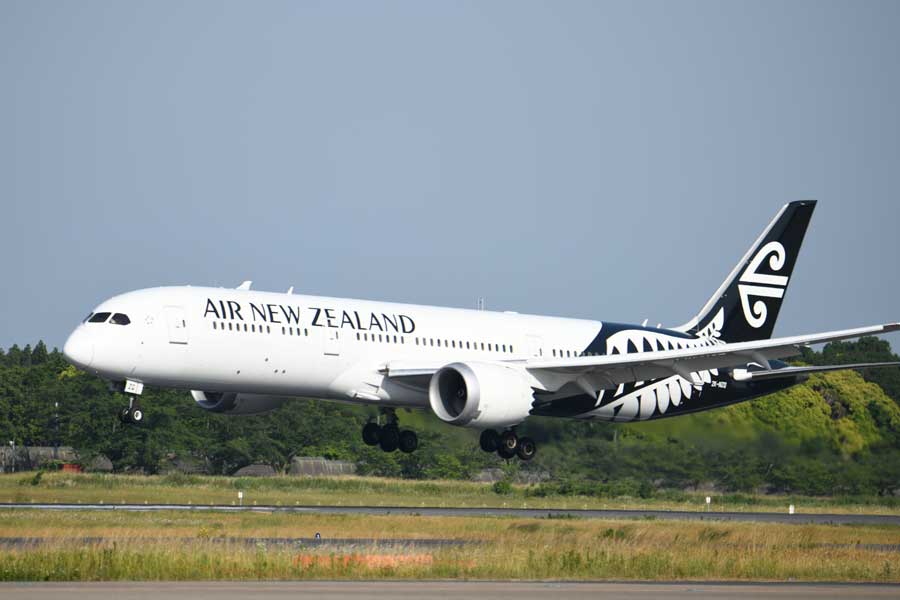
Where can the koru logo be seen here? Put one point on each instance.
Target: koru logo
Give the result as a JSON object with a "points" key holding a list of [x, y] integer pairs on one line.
{"points": [[760, 285]]}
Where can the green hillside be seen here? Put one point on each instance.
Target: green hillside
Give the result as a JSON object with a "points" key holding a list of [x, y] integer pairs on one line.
{"points": [[837, 434]]}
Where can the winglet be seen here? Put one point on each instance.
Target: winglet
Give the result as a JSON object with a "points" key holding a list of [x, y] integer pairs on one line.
{"points": [[245, 286]]}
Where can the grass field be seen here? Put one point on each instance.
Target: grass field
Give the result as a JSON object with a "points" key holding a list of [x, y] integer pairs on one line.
{"points": [[175, 545], [57, 487]]}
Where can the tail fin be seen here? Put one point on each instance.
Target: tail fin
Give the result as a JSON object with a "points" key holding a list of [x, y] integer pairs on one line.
{"points": [[746, 305]]}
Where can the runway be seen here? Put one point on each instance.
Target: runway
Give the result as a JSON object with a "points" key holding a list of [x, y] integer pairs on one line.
{"points": [[535, 513], [441, 590]]}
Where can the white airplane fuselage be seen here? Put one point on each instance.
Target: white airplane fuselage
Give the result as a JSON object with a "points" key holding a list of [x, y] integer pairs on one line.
{"points": [[289, 345]]}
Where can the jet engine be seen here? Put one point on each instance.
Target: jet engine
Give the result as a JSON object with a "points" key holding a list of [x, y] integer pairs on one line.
{"points": [[231, 403], [481, 395]]}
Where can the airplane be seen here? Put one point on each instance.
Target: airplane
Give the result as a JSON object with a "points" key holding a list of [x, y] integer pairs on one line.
{"points": [[243, 352]]}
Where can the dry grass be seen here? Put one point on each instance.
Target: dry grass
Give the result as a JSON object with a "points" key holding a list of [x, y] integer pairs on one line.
{"points": [[356, 491], [152, 546]]}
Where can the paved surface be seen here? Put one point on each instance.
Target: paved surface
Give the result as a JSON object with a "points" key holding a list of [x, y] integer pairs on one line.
{"points": [[757, 517], [439, 590]]}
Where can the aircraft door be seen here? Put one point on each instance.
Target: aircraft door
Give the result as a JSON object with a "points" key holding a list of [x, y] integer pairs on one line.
{"points": [[535, 346], [177, 324], [332, 342]]}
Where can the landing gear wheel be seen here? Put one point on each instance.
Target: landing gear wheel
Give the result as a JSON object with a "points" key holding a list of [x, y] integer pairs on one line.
{"points": [[389, 439], [133, 414], [505, 452], [408, 441], [489, 440], [371, 433], [526, 448], [509, 440]]}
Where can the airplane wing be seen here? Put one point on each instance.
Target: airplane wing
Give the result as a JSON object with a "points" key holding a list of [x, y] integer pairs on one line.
{"points": [[610, 370]]}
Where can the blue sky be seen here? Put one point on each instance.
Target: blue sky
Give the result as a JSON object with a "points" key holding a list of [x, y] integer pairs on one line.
{"points": [[606, 160]]}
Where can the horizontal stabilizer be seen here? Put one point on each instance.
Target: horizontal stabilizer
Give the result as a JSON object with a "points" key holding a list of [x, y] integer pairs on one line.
{"points": [[745, 375]]}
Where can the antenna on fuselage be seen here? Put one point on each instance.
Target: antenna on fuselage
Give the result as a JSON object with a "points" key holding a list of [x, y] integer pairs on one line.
{"points": [[479, 304], [245, 286], [290, 290]]}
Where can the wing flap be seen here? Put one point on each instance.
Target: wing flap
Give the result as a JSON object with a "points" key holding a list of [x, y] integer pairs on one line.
{"points": [[743, 375]]}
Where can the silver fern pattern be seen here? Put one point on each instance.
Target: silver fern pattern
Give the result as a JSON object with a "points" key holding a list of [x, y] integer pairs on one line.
{"points": [[644, 399]]}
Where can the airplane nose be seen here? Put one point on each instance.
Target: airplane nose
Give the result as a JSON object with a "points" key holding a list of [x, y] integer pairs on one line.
{"points": [[79, 350]]}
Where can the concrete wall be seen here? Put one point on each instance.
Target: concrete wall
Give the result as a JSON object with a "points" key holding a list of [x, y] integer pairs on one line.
{"points": [[29, 458], [316, 466]]}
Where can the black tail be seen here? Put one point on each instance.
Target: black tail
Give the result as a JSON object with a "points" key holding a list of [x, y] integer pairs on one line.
{"points": [[746, 305]]}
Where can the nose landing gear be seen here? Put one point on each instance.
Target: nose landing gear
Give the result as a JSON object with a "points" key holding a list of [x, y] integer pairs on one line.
{"points": [[389, 437], [133, 414], [508, 444]]}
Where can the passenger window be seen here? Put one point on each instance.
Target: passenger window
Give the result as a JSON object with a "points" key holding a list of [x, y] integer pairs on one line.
{"points": [[214, 325], [99, 318], [504, 347]]}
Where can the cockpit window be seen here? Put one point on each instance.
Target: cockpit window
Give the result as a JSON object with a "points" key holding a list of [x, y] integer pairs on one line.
{"points": [[84, 320], [99, 318], [120, 319]]}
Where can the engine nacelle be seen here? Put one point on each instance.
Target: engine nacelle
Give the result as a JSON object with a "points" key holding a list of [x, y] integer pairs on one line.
{"points": [[231, 403], [480, 395]]}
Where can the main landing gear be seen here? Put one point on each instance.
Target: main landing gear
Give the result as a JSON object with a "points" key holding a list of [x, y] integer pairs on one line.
{"points": [[508, 444], [133, 414], [390, 437]]}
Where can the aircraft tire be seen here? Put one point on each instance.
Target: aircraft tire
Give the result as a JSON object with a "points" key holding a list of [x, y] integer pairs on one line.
{"points": [[509, 440], [526, 448], [370, 434], [489, 440], [505, 452], [389, 440], [408, 441], [137, 415]]}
